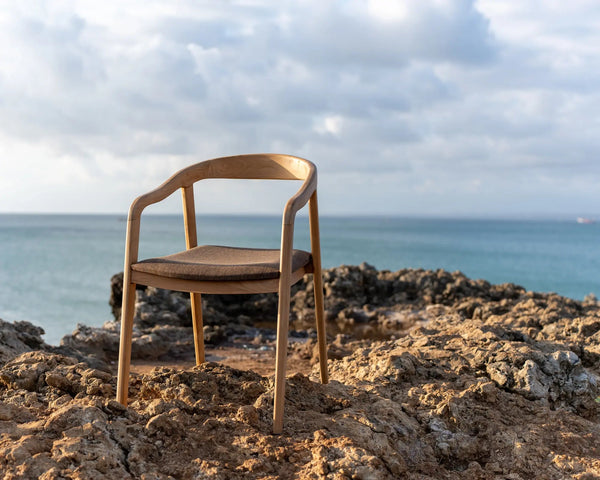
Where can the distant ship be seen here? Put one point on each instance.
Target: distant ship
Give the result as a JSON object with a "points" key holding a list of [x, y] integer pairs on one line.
{"points": [[585, 220]]}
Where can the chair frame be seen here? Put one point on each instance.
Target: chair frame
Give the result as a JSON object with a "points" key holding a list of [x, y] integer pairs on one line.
{"points": [[252, 166]]}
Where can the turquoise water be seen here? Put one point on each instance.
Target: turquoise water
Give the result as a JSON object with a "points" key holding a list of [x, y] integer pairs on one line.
{"points": [[55, 269]]}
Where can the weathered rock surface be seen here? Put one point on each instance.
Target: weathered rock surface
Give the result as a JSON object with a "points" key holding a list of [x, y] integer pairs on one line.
{"points": [[360, 301], [18, 337], [21, 336], [433, 375]]}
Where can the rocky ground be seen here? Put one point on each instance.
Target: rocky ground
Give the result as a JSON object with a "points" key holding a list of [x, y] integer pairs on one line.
{"points": [[433, 376]]}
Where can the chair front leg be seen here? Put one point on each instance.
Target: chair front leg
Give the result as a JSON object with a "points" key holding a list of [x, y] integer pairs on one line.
{"points": [[283, 318], [127, 312]]}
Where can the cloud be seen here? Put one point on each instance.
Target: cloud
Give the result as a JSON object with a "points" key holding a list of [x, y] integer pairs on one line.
{"points": [[398, 95]]}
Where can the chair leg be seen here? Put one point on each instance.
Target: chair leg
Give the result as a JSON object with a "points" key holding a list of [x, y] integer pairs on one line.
{"points": [[283, 317], [127, 312], [315, 246], [320, 316], [196, 306]]}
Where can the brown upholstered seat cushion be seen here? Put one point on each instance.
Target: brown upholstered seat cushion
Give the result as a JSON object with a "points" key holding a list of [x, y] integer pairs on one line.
{"points": [[215, 263]]}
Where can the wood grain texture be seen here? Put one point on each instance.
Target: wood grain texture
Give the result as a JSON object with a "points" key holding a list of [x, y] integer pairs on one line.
{"points": [[254, 166], [191, 241], [127, 312], [315, 246], [198, 326], [266, 166], [283, 319], [189, 217], [249, 286]]}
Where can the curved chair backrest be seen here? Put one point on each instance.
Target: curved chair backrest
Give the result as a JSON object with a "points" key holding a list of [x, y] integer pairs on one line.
{"points": [[265, 166], [253, 166]]}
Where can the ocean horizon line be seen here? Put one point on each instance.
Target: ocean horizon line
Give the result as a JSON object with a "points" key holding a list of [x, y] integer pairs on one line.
{"points": [[371, 216]]}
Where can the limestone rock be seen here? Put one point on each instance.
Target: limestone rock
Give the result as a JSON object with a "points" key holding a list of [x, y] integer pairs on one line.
{"points": [[433, 375], [18, 337]]}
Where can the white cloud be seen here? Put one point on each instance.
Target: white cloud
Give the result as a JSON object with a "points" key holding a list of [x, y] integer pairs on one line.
{"points": [[330, 125], [388, 10], [418, 101]]}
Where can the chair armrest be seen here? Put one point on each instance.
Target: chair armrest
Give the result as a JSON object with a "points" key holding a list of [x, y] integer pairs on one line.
{"points": [[135, 212], [154, 196], [301, 198]]}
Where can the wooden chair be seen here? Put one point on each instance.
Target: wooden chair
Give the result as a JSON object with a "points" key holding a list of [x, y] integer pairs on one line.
{"points": [[215, 269]]}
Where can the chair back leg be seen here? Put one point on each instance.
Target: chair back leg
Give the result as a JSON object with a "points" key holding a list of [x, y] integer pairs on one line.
{"points": [[315, 246], [320, 316], [196, 307], [127, 312]]}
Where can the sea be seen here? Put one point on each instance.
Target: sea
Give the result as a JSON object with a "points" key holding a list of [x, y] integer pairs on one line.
{"points": [[55, 270]]}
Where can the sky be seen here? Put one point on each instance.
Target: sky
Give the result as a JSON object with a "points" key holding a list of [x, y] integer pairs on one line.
{"points": [[438, 108]]}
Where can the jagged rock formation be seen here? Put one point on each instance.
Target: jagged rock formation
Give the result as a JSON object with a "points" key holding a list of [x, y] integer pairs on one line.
{"points": [[434, 376], [360, 301], [18, 337]]}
